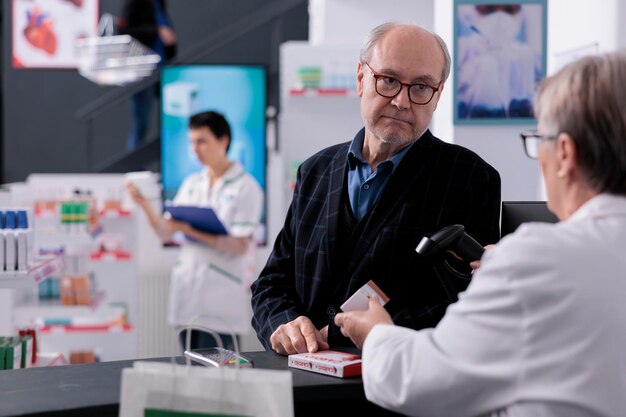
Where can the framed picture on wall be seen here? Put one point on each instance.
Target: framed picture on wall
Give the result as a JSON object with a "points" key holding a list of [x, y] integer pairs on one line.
{"points": [[44, 32], [499, 60]]}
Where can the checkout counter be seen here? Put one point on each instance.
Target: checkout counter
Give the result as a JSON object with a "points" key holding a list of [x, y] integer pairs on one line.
{"points": [[94, 390]]}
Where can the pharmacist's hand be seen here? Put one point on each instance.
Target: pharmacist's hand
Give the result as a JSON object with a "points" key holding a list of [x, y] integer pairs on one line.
{"points": [[135, 194], [476, 264], [357, 324], [297, 336]]}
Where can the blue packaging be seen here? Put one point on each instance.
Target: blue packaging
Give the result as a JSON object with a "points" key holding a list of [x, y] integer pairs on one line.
{"points": [[22, 219], [9, 220]]}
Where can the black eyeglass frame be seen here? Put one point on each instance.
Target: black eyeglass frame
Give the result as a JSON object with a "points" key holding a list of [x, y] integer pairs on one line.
{"points": [[408, 86], [534, 134]]}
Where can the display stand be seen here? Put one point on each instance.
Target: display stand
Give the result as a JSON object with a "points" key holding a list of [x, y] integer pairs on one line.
{"points": [[96, 247]]}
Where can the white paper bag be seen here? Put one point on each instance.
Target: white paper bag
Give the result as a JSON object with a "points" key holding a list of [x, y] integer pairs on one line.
{"points": [[165, 389]]}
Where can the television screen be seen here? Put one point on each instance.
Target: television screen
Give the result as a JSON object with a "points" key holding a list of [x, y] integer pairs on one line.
{"points": [[236, 91]]}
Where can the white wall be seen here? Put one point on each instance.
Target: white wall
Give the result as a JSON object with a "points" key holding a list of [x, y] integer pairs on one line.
{"points": [[349, 21], [571, 24], [577, 23], [620, 18], [442, 119]]}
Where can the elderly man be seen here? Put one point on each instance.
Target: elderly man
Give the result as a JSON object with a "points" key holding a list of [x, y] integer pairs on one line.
{"points": [[360, 208]]}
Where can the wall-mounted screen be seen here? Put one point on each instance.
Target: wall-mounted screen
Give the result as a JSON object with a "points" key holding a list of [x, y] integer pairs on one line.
{"points": [[236, 91]]}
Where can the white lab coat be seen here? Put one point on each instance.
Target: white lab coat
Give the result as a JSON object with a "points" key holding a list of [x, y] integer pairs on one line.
{"points": [[540, 331], [208, 287]]}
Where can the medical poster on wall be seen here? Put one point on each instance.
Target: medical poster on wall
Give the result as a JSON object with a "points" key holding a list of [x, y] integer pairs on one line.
{"points": [[44, 31], [500, 59]]}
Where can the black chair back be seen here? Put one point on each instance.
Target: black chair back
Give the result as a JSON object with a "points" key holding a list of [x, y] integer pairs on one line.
{"points": [[515, 213]]}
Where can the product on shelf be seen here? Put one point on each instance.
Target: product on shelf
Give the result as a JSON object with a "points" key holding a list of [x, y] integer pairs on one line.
{"points": [[15, 241], [75, 290], [310, 77], [82, 289], [82, 356], [12, 352], [50, 289], [32, 334], [17, 351]]}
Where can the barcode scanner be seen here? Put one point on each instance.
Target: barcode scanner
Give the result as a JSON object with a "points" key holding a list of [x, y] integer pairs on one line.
{"points": [[451, 239]]}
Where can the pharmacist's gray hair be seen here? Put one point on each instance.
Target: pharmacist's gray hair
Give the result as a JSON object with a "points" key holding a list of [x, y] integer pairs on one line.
{"points": [[379, 31], [586, 100]]}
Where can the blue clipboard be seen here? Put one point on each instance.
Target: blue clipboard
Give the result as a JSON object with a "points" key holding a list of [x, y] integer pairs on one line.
{"points": [[200, 218]]}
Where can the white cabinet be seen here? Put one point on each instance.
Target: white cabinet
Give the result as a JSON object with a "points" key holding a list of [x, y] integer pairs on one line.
{"points": [[315, 116], [100, 253]]}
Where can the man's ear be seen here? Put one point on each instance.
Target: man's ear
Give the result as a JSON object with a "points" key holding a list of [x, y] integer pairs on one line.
{"points": [[438, 94], [226, 140], [359, 79]]}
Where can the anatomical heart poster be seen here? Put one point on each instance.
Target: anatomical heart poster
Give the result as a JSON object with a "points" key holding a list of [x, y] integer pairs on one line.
{"points": [[45, 31]]}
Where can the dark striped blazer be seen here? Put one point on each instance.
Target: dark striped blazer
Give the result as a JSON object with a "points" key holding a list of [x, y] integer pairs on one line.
{"points": [[435, 185]]}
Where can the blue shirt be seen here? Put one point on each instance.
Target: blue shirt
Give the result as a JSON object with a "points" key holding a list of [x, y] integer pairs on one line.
{"points": [[365, 186]]}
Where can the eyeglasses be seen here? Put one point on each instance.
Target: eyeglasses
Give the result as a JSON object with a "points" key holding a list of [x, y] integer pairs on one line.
{"points": [[389, 87], [532, 139]]}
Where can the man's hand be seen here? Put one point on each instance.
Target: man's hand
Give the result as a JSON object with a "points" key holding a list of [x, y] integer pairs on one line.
{"points": [[167, 35], [298, 336], [357, 324]]}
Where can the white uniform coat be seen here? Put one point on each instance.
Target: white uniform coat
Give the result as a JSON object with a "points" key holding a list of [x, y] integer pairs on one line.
{"points": [[540, 331], [208, 282]]}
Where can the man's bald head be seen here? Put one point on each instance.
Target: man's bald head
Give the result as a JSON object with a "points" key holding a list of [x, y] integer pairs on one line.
{"points": [[380, 31]]}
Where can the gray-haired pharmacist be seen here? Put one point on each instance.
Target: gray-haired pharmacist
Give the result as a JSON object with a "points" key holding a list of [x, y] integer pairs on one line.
{"points": [[540, 330]]}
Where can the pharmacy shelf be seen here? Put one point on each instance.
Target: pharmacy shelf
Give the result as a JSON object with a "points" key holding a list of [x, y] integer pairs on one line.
{"points": [[109, 213], [41, 269], [87, 328], [111, 256], [115, 213], [110, 344], [322, 92], [24, 315], [68, 238]]}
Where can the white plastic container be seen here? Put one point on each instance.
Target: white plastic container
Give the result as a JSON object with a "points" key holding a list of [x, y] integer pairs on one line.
{"points": [[10, 257]]}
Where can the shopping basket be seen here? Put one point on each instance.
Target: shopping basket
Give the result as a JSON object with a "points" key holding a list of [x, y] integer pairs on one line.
{"points": [[114, 59]]}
